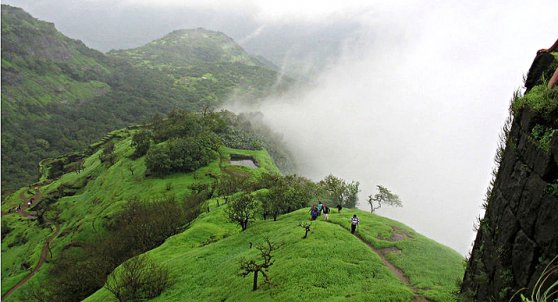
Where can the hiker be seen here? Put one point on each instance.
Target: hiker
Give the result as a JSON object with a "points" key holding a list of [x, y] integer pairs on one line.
{"points": [[314, 212], [325, 209], [554, 79], [319, 209], [539, 68], [339, 207], [354, 223]]}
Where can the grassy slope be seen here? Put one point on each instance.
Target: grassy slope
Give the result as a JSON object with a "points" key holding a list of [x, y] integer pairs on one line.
{"points": [[331, 264], [105, 191]]}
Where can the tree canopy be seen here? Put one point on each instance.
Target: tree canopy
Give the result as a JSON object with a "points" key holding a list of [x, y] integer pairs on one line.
{"points": [[384, 196]]}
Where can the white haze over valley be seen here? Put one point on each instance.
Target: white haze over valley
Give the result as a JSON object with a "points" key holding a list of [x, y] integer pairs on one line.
{"points": [[416, 103], [413, 95]]}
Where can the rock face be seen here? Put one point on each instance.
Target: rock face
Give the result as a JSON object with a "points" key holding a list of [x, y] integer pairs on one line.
{"points": [[518, 237]]}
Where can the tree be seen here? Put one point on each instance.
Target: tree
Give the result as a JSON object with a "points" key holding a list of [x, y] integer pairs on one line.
{"points": [[107, 156], [350, 195], [306, 226], [251, 266], [141, 141], [137, 279], [383, 196], [334, 187], [338, 191], [241, 209], [157, 160], [182, 154], [228, 184], [285, 193]]}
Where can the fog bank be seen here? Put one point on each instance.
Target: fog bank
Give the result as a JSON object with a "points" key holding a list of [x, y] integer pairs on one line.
{"points": [[416, 103]]}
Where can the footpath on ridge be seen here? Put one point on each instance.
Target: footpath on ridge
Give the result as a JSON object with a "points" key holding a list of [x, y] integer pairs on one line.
{"points": [[394, 269], [36, 198]]}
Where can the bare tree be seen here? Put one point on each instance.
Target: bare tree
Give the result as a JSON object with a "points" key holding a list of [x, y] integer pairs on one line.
{"points": [[306, 226], [383, 196], [251, 266]]}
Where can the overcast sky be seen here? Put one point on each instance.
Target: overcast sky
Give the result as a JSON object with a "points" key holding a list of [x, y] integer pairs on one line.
{"points": [[411, 94]]}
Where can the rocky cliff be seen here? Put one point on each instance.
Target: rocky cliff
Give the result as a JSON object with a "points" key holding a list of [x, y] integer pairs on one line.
{"points": [[518, 236]]}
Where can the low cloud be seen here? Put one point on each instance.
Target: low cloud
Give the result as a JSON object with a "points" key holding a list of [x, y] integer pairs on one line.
{"points": [[416, 103]]}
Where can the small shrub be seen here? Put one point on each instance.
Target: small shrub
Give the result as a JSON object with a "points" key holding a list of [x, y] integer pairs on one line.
{"points": [[540, 99], [543, 135], [542, 291], [20, 239], [137, 279]]}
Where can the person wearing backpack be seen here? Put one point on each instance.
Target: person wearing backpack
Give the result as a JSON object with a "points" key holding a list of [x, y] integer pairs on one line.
{"points": [[314, 212], [325, 210], [354, 223]]}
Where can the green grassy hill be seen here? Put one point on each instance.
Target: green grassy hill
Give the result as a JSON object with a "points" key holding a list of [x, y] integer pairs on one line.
{"points": [[330, 265], [80, 207]]}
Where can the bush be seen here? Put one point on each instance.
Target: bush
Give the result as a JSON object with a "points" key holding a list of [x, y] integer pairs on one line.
{"points": [[80, 271], [141, 141], [182, 154], [137, 279]]}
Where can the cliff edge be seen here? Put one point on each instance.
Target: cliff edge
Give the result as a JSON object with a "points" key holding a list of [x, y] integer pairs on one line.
{"points": [[518, 236]]}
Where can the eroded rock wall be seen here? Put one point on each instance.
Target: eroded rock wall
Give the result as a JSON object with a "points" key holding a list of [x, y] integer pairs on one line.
{"points": [[518, 237]]}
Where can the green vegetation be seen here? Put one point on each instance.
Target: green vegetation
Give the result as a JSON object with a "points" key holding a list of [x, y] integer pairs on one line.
{"points": [[58, 96], [207, 64], [543, 135], [100, 207], [540, 98], [109, 213], [138, 279], [335, 191], [385, 196], [330, 263], [153, 211], [544, 288]]}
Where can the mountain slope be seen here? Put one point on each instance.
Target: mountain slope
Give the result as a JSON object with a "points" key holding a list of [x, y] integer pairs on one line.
{"points": [[208, 62], [58, 96], [81, 194]]}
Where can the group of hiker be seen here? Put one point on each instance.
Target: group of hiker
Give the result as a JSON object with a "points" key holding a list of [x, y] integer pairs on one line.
{"points": [[316, 211], [322, 208]]}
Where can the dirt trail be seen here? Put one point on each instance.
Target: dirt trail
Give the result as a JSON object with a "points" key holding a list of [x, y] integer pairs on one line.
{"points": [[44, 253], [36, 198], [42, 259], [394, 269]]}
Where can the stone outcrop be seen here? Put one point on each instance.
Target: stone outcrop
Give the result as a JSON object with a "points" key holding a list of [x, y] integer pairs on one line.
{"points": [[518, 236]]}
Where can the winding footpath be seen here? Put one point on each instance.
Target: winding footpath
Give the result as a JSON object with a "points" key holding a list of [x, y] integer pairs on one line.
{"points": [[44, 253], [394, 269]]}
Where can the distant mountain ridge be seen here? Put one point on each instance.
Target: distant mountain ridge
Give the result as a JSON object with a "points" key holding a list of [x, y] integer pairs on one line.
{"points": [[207, 63], [189, 46]]}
